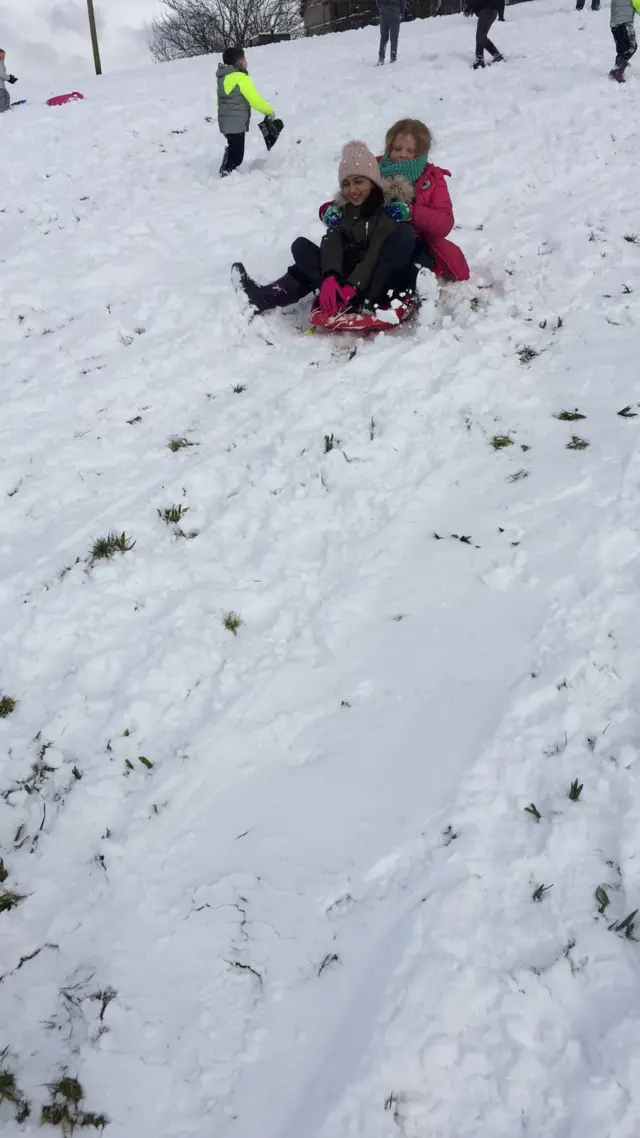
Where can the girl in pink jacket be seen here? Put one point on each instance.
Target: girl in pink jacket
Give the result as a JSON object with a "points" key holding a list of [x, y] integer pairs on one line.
{"points": [[405, 163]]}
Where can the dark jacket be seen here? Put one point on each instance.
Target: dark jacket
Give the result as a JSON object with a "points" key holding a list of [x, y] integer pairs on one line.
{"points": [[352, 250], [391, 8], [478, 6]]}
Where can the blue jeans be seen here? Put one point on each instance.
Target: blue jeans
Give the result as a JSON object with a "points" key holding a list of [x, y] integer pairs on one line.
{"points": [[389, 26]]}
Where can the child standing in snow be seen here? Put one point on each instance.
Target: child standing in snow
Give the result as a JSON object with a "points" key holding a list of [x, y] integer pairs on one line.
{"points": [[391, 14], [364, 251], [487, 11], [5, 98], [416, 181], [624, 34], [236, 96]]}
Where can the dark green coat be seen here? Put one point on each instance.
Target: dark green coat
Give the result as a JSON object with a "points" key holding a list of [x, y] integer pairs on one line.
{"points": [[352, 249]]}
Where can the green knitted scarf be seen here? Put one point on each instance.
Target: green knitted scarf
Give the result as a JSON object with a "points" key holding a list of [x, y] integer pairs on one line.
{"points": [[411, 168]]}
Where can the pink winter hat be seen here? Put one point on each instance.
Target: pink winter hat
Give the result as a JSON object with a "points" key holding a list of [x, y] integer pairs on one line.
{"points": [[358, 161]]}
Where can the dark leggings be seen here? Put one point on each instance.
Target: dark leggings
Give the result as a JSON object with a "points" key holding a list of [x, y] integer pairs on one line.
{"points": [[395, 256], [389, 26], [487, 17], [233, 154], [626, 44]]}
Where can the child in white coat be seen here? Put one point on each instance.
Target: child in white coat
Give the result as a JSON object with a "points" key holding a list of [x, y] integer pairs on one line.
{"points": [[5, 98]]}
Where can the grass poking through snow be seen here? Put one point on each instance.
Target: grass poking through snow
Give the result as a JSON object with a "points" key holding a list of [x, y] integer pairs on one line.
{"points": [[575, 790], [7, 706], [626, 927], [540, 891], [65, 1108], [179, 442], [232, 621], [602, 897], [10, 1092], [569, 416], [105, 548], [526, 354], [9, 900], [173, 514]]}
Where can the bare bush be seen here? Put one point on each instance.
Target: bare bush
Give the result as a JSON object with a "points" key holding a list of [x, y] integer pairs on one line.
{"points": [[203, 27]]}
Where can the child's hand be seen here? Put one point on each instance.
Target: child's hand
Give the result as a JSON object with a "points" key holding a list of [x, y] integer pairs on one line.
{"points": [[334, 296], [329, 295], [331, 216], [399, 211]]}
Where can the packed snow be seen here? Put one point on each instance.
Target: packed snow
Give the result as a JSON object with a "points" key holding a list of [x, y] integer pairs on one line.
{"points": [[286, 822]]}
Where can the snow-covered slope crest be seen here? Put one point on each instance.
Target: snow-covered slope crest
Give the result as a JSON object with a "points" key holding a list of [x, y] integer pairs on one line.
{"points": [[319, 807]]}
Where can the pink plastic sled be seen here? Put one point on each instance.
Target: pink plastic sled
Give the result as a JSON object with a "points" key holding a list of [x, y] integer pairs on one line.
{"points": [[58, 100]]}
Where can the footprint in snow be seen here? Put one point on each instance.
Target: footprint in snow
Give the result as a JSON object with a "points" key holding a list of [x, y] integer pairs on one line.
{"points": [[502, 576]]}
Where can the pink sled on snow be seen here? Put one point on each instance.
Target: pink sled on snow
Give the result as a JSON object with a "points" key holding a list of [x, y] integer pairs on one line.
{"points": [[58, 100]]}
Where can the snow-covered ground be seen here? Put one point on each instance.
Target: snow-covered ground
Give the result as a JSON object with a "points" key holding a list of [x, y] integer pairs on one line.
{"points": [[311, 911]]}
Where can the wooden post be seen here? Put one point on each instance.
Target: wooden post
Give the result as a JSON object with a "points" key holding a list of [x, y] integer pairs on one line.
{"points": [[94, 37]]}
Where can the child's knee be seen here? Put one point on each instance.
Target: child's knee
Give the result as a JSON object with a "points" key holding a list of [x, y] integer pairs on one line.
{"points": [[405, 237]]}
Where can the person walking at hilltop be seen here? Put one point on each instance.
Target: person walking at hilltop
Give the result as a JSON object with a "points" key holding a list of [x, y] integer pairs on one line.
{"points": [[5, 98], [391, 16], [624, 34], [487, 11], [237, 96]]}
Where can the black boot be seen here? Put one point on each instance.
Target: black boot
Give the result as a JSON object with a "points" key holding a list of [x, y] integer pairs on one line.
{"points": [[286, 290], [478, 63]]}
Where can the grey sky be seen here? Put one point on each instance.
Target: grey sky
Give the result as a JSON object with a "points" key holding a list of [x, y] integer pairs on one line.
{"points": [[49, 39]]}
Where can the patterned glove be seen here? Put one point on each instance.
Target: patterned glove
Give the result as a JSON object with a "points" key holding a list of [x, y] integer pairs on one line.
{"points": [[399, 211], [331, 216]]}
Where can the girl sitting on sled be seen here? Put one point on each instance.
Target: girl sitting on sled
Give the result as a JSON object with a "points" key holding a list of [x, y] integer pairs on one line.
{"points": [[390, 218], [365, 252]]}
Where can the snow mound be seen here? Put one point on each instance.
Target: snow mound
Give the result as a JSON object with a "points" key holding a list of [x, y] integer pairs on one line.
{"points": [[319, 664]]}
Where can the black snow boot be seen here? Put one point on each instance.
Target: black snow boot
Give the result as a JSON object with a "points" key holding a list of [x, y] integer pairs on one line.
{"points": [[286, 290], [478, 63]]}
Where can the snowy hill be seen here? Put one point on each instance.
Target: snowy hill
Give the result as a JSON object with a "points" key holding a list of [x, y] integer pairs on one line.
{"points": [[319, 874]]}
